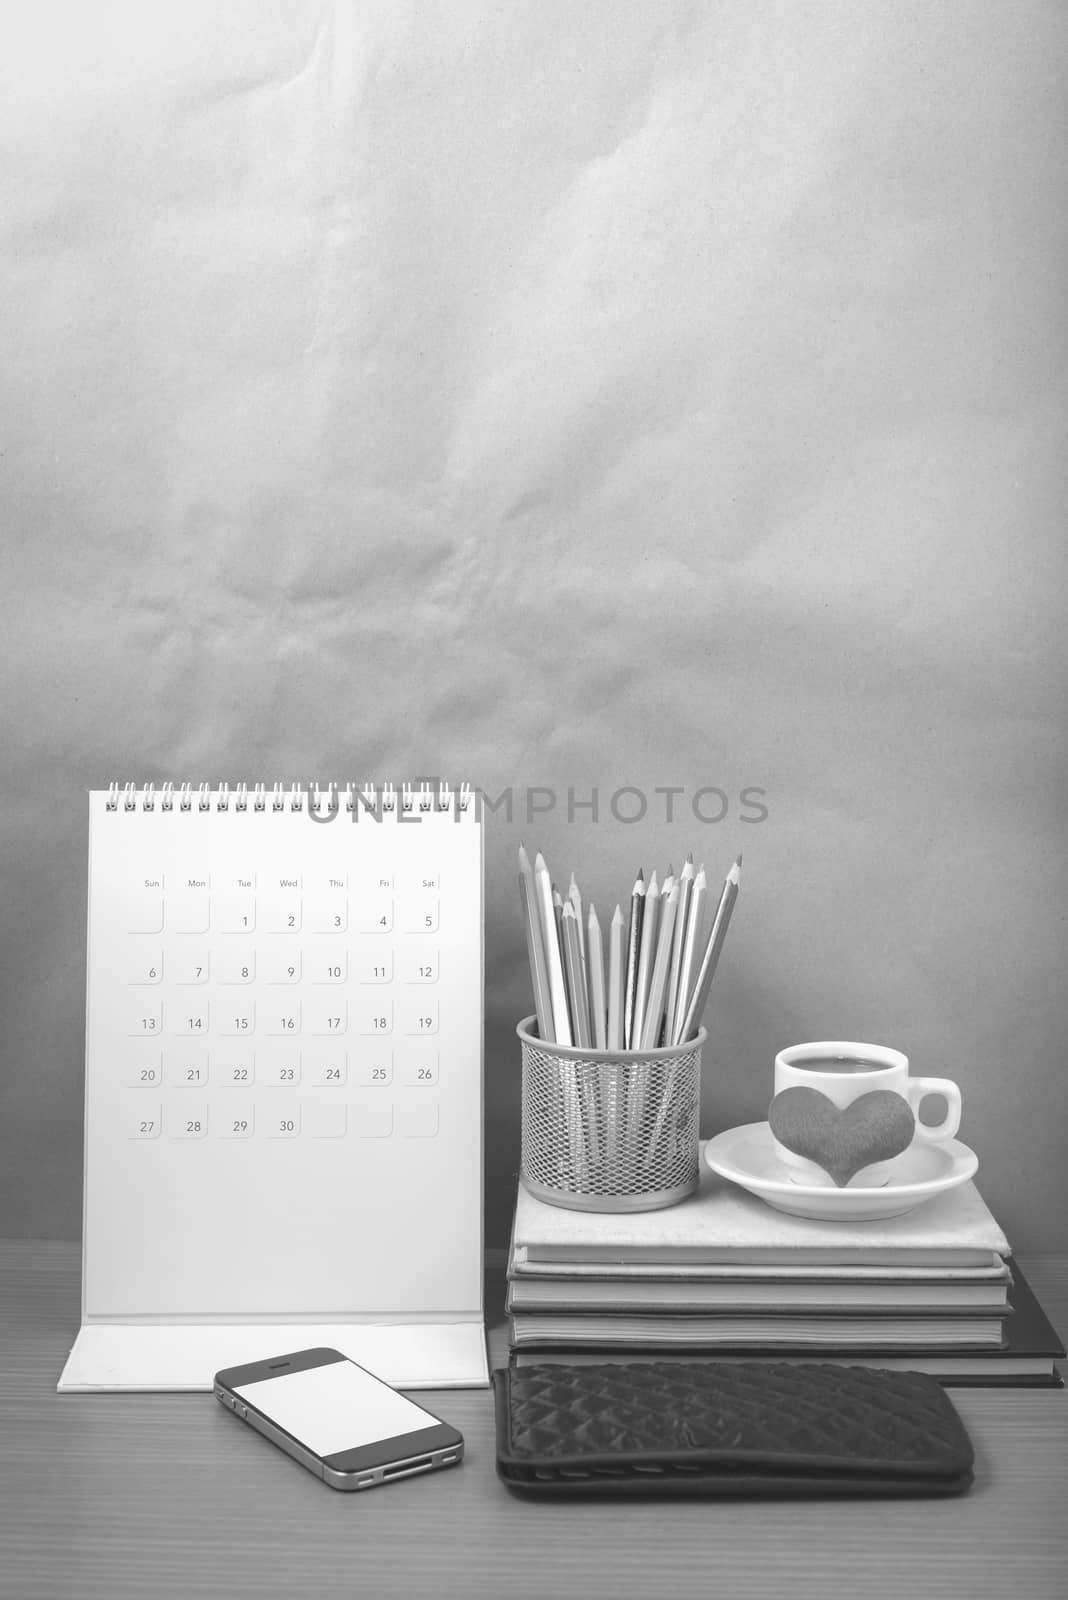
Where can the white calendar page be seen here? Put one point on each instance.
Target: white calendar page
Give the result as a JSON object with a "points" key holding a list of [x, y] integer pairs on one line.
{"points": [[283, 1061]]}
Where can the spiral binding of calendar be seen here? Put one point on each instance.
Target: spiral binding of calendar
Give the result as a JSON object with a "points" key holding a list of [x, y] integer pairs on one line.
{"points": [[322, 800]]}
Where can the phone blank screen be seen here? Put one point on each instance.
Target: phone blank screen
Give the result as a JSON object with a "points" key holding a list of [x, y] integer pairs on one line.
{"points": [[334, 1408]]}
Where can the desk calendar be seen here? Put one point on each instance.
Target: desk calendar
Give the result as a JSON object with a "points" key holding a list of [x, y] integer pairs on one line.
{"points": [[283, 1098]]}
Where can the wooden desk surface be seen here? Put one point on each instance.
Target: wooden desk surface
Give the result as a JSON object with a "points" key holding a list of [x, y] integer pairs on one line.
{"points": [[164, 1495]]}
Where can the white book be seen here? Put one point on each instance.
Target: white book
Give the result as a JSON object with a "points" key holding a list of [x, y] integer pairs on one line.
{"points": [[522, 1269], [722, 1224], [816, 1331], [752, 1294]]}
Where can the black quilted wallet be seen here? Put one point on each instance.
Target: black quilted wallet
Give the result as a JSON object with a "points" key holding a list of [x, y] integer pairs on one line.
{"points": [[727, 1428]]}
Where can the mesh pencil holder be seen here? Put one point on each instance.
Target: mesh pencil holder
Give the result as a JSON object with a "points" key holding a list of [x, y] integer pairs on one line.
{"points": [[610, 1130]]}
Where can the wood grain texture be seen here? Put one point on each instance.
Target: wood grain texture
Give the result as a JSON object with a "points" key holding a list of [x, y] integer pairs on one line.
{"points": [[129, 1497]]}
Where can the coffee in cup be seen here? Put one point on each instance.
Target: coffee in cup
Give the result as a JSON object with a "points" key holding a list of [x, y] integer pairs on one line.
{"points": [[843, 1113]]}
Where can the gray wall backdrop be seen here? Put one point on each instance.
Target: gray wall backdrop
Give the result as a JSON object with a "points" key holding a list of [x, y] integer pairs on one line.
{"points": [[555, 396]]}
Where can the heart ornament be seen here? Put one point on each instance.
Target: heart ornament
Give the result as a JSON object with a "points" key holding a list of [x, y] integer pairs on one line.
{"points": [[875, 1127]]}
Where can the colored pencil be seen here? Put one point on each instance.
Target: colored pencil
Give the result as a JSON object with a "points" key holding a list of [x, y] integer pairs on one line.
{"points": [[634, 936], [576, 900], [595, 978], [691, 935], [647, 955], [717, 935], [617, 940], [580, 1006], [539, 975], [553, 959], [671, 997], [664, 945]]}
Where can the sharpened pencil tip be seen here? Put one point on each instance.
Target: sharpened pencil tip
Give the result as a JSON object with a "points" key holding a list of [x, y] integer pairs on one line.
{"points": [[738, 859], [690, 858], [641, 874]]}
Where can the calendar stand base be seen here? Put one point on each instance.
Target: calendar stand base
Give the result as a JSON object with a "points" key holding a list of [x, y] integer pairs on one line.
{"points": [[122, 1357]]}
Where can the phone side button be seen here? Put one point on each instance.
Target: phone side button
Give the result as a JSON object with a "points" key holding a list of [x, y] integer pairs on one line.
{"points": [[244, 1412]]}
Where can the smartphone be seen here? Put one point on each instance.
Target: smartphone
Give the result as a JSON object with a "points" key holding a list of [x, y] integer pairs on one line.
{"points": [[338, 1420]]}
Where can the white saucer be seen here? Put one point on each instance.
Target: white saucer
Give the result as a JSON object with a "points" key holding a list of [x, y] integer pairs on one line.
{"points": [[746, 1156]]}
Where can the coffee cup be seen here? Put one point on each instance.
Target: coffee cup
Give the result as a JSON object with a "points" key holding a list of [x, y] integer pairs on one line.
{"points": [[844, 1113]]}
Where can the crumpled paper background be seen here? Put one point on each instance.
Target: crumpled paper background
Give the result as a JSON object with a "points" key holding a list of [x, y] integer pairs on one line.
{"points": [[551, 395]]}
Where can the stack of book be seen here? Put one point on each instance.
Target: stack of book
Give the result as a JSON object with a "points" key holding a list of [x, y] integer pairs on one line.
{"points": [[724, 1275]]}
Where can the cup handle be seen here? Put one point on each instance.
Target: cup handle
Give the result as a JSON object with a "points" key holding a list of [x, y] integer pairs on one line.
{"points": [[918, 1088]]}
